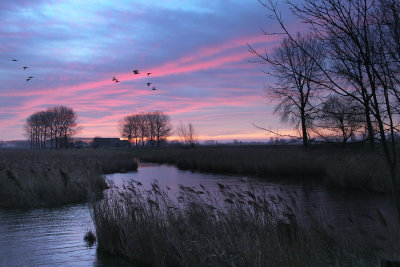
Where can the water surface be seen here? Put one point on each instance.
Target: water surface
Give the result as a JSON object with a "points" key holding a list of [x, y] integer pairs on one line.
{"points": [[49, 237]]}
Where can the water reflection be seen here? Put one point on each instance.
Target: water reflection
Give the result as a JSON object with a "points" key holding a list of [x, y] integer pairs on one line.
{"points": [[43, 237], [48, 237], [363, 216]]}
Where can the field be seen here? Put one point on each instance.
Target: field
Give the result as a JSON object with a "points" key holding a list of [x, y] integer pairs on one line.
{"points": [[43, 178]]}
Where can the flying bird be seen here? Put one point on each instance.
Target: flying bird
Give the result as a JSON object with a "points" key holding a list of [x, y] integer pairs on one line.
{"points": [[148, 73], [148, 84], [114, 79], [25, 68], [31, 77], [135, 71], [14, 60], [28, 79], [154, 88]]}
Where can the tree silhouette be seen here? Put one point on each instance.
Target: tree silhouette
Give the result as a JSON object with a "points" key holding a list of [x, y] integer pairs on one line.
{"points": [[187, 134], [146, 127], [294, 67], [55, 125]]}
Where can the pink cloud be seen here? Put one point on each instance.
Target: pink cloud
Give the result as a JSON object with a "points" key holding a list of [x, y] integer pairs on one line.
{"points": [[104, 96]]}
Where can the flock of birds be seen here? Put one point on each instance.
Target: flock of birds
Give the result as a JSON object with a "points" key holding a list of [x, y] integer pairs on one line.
{"points": [[115, 80], [24, 67]]}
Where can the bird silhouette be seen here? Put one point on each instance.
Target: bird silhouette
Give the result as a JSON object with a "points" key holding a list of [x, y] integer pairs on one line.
{"points": [[14, 59], [31, 77], [148, 84], [28, 79], [135, 71], [154, 88], [148, 73], [25, 68], [114, 79]]}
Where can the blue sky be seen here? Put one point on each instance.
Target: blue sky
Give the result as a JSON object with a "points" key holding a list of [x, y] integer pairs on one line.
{"points": [[196, 50]]}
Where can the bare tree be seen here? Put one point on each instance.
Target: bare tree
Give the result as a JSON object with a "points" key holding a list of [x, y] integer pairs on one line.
{"points": [[126, 127], [361, 39], [187, 134], [57, 123], [339, 119], [295, 72], [150, 127], [162, 126], [36, 128], [135, 128], [32, 129], [143, 127], [66, 118]]}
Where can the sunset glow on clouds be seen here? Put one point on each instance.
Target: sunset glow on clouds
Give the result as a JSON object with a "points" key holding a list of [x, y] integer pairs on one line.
{"points": [[196, 51]]}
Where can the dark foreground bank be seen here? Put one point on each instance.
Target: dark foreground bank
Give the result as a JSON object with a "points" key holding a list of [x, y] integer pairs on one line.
{"points": [[49, 178]]}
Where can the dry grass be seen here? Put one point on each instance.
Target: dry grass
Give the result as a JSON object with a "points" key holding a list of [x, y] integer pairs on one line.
{"points": [[337, 167], [231, 227], [48, 178]]}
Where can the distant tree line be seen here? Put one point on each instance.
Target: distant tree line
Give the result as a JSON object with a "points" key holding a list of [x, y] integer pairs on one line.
{"points": [[51, 128], [146, 128]]}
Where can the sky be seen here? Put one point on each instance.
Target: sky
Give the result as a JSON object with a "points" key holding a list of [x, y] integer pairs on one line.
{"points": [[197, 52]]}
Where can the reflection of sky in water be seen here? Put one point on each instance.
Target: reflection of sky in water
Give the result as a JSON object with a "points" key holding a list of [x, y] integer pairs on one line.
{"points": [[172, 177], [48, 237], [45, 237], [347, 212]]}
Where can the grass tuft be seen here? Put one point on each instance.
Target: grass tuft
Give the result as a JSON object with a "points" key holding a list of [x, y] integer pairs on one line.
{"points": [[90, 238]]}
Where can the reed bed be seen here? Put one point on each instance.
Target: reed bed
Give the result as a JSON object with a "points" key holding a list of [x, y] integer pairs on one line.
{"points": [[230, 227], [352, 168], [49, 178]]}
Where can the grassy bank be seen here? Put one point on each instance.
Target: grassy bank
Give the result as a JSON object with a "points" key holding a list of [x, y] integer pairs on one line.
{"points": [[225, 228], [337, 167], [47, 178]]}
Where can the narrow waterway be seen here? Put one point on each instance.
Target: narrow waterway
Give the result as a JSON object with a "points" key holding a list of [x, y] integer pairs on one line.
{"points": [[49, 237]]}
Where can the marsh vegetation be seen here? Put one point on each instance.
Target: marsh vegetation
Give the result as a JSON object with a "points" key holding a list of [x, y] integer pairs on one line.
{"points": [[337, 167], [228, 227], [33, 178]]}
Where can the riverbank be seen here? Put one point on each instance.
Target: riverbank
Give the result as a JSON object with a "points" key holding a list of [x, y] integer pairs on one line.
{"points": [[336, 167], [45, 178], [230, 227]]}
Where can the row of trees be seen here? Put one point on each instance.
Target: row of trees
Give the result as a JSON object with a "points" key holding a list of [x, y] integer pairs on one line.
{"points": [[153, 128], [52, 127], [344, 73], [303, 95]]}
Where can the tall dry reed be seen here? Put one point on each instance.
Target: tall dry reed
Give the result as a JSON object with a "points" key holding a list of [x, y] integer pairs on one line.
{"points": [[48, 178], [231, 227]]}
